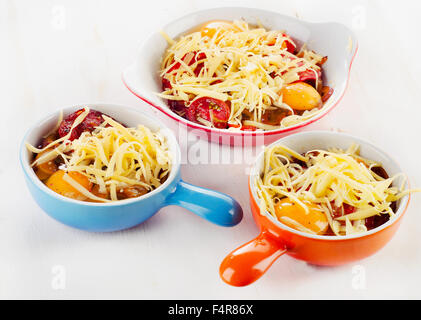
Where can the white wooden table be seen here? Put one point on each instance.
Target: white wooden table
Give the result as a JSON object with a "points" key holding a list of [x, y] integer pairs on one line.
{"points": [[60, 53]]}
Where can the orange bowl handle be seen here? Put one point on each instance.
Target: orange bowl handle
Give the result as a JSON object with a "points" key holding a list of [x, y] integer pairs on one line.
{"points": [[249, 262]]}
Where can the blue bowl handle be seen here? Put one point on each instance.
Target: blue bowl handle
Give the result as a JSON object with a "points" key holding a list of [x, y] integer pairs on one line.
{"points": [[211, 205]]}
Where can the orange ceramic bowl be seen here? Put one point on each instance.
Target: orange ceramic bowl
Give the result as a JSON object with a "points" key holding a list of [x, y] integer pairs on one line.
{"points": [[249, 262]]}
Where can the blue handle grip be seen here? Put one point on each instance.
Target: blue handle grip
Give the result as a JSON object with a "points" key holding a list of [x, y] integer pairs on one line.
{"points": [[211, 205]]}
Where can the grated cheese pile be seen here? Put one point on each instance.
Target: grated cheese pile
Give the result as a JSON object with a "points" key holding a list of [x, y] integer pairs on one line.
{"points": [[112, 156], [328, 178], [237, 68]]}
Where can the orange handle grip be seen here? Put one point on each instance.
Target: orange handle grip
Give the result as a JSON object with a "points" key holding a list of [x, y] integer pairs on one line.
{"points": [[249, 262]]}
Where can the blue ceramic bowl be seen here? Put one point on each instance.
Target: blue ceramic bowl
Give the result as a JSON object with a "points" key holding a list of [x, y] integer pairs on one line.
{"points": [[105, 217]]}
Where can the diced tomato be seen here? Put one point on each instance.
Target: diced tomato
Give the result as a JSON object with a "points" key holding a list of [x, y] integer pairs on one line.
{"points": [[92, 120], [290, 46], [198, 68], [216, 82], [326, 93], [209, 109], [288, 43], [47, 140], [348, 209], [166, 84], [178, 106], [323, 61], [248, 128], [337, 211], [309, 76], [380, 171], [132, 192]]}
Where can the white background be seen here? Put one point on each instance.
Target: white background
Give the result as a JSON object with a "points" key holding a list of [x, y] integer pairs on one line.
{"points": [[60, 53]]}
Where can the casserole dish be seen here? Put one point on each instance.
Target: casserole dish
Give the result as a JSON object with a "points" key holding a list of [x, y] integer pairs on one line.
{"points": [[102, 217], [250, 261]]}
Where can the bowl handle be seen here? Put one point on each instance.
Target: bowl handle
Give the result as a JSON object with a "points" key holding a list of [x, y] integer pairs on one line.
{"points": [[249, 262], [211, 205]]}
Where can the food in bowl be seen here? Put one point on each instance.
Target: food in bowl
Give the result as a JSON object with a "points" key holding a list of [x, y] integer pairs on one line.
{"points": [[327, 192], [231, 75], [89, 156]]}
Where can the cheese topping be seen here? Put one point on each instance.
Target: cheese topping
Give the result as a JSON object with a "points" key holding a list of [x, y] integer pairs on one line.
{"points": [[246, 66], [112, 157], [330, 179]]}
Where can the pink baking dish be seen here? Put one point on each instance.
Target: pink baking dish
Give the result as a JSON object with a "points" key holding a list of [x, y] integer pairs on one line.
{"points": [[331, 39]]}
